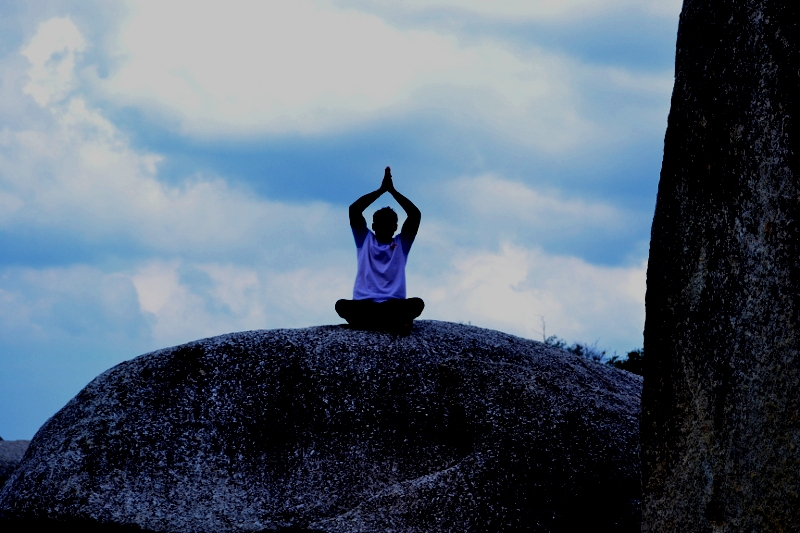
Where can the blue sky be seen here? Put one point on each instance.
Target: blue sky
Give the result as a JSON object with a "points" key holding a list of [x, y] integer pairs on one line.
{"points": [[171, 171]]}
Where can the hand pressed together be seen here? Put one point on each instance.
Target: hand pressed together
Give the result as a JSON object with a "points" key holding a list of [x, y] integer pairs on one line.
{"points": [[387, 185]]}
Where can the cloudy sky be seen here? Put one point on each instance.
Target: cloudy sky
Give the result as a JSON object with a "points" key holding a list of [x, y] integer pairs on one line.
{"points": [[175, 170]]}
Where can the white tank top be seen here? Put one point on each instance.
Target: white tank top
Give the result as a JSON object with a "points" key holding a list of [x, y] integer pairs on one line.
{"points": [[381, 272]]}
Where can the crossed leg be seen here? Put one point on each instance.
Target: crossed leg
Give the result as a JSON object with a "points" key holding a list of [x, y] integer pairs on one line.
{"points": [[391, 314]]}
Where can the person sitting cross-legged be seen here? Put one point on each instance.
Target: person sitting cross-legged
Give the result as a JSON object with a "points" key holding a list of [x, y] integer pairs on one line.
{"points": [[379, 293]]}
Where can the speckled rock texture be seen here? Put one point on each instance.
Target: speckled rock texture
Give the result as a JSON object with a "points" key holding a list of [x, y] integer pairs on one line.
{"points": [[721, 401], [11, 452], [451, 428]]}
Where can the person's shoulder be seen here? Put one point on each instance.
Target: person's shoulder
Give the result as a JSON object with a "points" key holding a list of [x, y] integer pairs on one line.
{"points": [[361, 235], [405, 242]]}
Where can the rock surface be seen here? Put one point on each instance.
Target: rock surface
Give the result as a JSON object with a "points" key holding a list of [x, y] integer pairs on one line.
{"points": [[452, 428], [721, 400], [11, 452]]}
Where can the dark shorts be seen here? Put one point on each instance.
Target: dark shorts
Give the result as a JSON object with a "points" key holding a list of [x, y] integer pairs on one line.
{"points": [[391, 314]]}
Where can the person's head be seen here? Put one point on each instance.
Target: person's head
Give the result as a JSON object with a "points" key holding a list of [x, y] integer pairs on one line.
{"points": [[384, 224]]}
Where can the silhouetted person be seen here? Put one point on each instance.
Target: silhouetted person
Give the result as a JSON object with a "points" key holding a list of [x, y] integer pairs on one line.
{"points": [[379, 293]]}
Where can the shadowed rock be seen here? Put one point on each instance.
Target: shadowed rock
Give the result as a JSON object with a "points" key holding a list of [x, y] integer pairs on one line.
{"points": [[452, 428], [721, 401], [11, 452]]}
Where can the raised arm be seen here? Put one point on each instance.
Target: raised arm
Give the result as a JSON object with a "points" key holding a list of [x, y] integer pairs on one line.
{"points": [[357, 220], [413, 214]]}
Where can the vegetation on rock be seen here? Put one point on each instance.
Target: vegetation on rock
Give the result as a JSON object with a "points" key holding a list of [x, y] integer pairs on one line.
{"points": [[633, 361]]}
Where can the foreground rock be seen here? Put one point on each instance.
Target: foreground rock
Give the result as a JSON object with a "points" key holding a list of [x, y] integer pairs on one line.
{"points": [[11, 452], [453, 428], [720, 432]]}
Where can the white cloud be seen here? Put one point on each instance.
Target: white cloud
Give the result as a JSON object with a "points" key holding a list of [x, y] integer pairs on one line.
{"points": [[306, 67], [97, 186], [52, 53], [77, 301], [492, 197], [298, 66], [179, 314], [79, 174], [538, 10], [75, 174], [161, 303], [235, 298], [511, 290]]}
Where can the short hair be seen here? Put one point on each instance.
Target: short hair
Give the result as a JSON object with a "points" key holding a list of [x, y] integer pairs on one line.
{"points": [[385, 214]]}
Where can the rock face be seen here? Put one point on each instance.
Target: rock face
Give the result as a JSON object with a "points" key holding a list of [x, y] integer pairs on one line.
{"points": [[721, 401], [11, 452], [452, 428]]}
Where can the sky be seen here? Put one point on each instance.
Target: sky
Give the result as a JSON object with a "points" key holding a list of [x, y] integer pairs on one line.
{"points": [[173, 170]]}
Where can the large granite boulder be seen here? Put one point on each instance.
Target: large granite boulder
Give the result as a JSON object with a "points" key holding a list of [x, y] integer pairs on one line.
{"points": [[11, 452], [721, 400], [451, 428]]}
